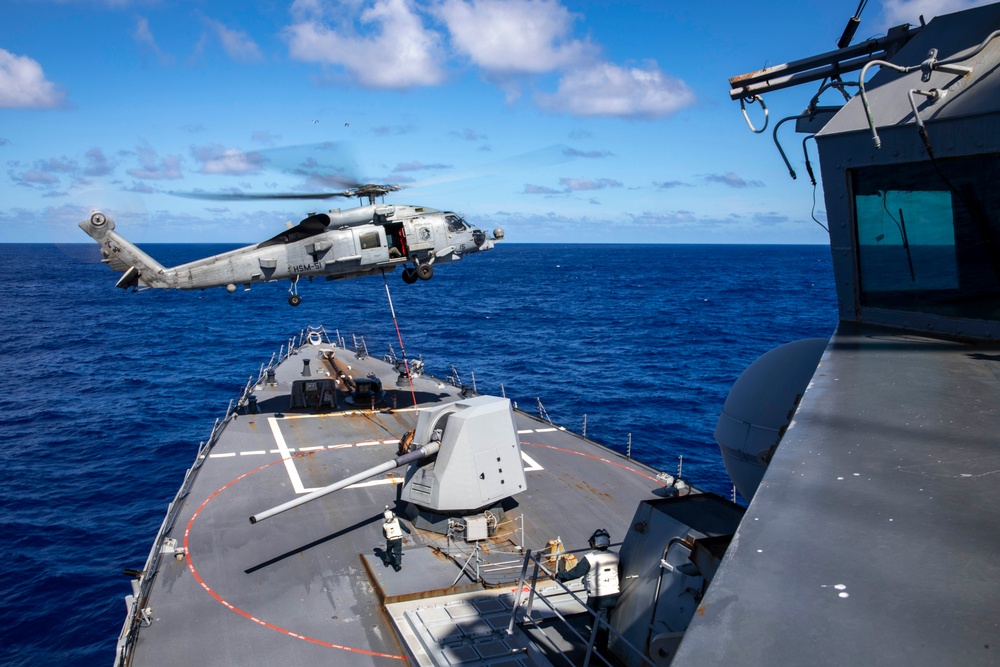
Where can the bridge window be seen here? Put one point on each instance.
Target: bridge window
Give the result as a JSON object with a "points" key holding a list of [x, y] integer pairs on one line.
{"points": [[927, 239]]}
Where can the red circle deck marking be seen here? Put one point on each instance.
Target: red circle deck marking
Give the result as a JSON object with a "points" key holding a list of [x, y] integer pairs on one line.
{"points": [[219, 598]]}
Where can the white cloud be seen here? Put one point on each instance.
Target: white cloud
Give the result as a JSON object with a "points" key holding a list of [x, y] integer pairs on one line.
{"points": [[419, 166], [23, 84], [141, 188], [388, 44], [308, 10], [530, 189], [392, 49], [580, 184], [468, 134], [609, 90], [144, 37], [237, 44], [32, 177], [98, 163], [264, 137], [732, 180], [896, 12], [152, 168], [218, 160], [62, 165], [511, 37]]}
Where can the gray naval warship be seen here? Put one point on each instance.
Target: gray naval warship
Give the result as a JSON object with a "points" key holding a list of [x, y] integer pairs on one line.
{"points": [[869, 459]]}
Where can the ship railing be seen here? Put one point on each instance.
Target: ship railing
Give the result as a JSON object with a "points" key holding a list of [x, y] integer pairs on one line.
{"points": [[137, 613], [391, 357], [542, 412], [481, 570], [529, 585]]}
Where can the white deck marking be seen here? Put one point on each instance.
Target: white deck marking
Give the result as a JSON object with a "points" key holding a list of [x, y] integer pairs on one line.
{"points": [[293, 473], [251, 453], [532, 463], [545, 430], [221, 456], [525, 430]]}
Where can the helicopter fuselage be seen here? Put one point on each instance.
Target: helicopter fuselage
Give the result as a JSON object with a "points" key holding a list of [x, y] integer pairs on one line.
{"points": [[338, 244]]}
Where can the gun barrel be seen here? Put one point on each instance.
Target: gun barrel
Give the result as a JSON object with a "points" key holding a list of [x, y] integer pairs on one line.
{"points": [[409, 457]]}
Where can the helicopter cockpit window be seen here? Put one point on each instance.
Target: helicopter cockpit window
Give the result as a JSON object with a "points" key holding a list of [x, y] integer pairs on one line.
{"points": [[455, 223], [926, 244]]}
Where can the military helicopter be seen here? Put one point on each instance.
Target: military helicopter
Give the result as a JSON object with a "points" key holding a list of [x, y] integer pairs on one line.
{"points": [[365, 240]]}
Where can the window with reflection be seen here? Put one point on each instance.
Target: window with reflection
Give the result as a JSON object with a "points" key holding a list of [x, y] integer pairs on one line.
{"points": [[369, 240], [455, 223], [927, 238]]}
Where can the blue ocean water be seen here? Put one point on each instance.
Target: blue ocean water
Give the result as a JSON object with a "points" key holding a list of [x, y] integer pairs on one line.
{"points": [[108, 393]]}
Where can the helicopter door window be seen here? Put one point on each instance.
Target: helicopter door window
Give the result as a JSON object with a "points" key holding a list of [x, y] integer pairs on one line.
{"points": [[369, 240]]}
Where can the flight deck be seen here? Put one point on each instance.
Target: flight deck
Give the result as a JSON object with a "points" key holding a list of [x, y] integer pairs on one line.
{"points": [[312, 582]]}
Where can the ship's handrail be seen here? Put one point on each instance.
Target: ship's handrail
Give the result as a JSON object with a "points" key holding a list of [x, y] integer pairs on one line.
{"points": [[136, 614], [532, 590]]}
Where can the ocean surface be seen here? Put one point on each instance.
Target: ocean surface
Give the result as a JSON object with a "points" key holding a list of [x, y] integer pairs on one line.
{"points": [[108, 393]]}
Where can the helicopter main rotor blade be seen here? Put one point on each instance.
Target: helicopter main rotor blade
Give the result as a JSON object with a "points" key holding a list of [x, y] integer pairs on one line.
{"points": [[232, 196], [370, 190]]}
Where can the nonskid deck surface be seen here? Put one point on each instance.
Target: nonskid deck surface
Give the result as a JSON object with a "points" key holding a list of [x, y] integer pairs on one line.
{"points": [[309, 584]]}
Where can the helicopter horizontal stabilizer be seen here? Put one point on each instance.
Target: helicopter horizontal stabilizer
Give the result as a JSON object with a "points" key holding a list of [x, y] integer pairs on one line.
{"points": [[129, 279]]}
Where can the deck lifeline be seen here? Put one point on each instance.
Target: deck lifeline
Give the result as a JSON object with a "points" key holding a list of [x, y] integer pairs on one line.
{"points": [[305, 585]]}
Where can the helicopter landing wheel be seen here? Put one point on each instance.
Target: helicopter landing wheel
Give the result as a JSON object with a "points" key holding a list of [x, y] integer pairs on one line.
{"points": [[294, 300], [409, 276], [425, 271]]}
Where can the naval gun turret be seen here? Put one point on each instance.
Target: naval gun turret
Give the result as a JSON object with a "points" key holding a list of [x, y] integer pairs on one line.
{"points": [[464, 458]]}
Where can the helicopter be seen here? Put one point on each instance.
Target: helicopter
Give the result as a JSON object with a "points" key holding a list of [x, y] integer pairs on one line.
{"points": [[360, 241]]}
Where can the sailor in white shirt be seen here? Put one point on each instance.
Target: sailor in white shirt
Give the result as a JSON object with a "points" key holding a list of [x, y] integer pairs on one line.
{"points": [[393, 532], [599, 569]]}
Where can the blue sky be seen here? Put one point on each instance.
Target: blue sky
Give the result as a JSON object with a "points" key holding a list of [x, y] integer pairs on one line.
{"points": [[605, 121]]}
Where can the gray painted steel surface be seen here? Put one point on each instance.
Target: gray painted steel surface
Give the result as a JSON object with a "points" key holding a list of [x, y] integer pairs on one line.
{"points": [[308, 586], [873, 536]]}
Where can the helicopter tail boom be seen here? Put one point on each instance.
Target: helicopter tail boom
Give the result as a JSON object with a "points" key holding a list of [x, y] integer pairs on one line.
{"points": [[138, 268]]}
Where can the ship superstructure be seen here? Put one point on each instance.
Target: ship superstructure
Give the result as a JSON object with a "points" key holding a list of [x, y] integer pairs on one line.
{"points": [[870, 537]]}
